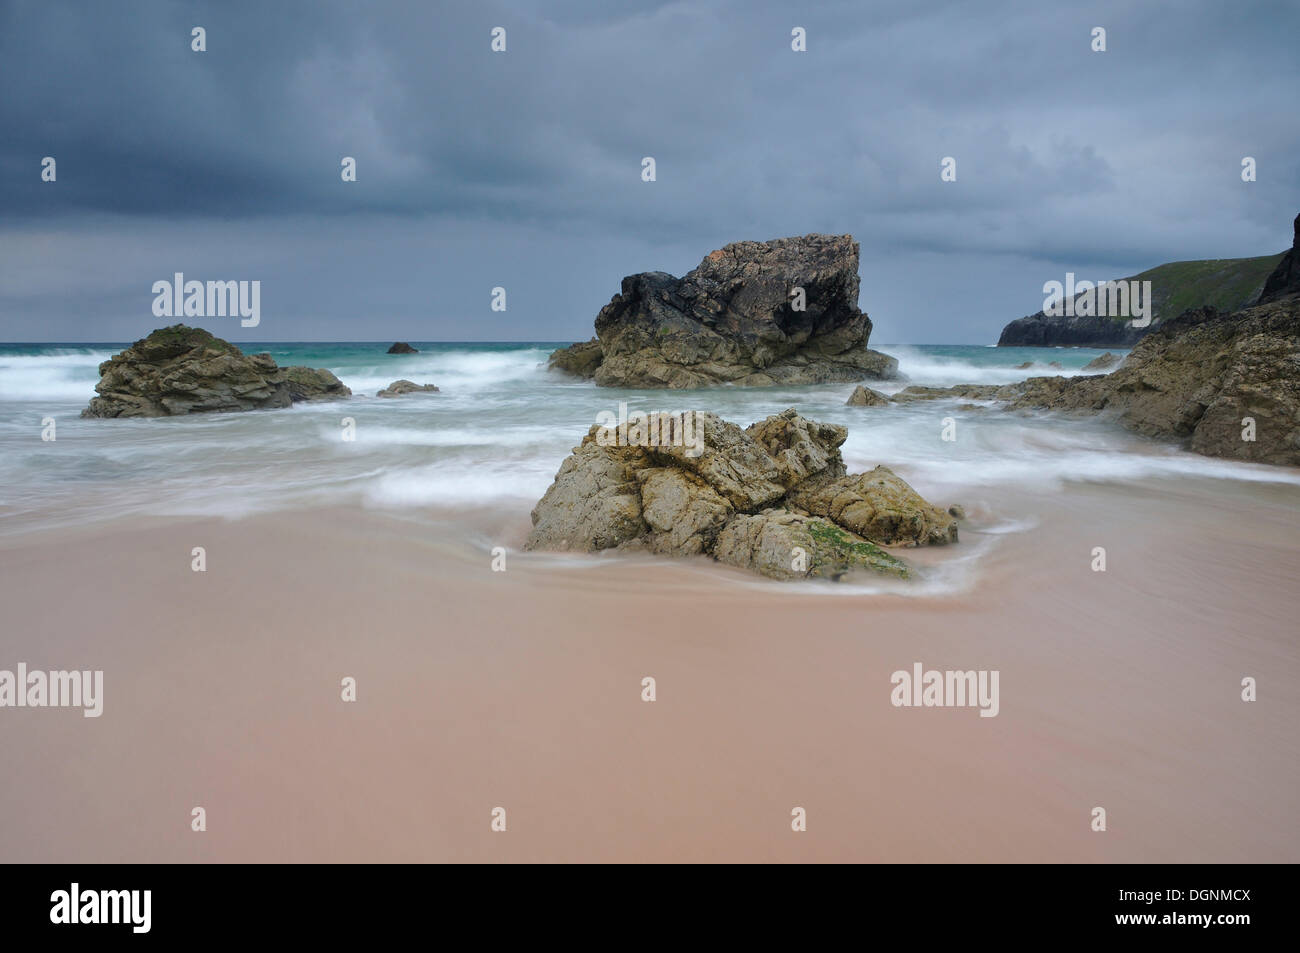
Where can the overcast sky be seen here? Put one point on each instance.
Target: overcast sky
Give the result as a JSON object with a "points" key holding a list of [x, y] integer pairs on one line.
{"points": [[522, 169]]}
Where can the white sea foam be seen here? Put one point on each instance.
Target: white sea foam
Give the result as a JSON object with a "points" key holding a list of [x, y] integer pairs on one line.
{"points": [[58, 375]]}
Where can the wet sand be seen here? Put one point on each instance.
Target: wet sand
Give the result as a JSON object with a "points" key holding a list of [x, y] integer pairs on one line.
{"points": [[522, 689]]}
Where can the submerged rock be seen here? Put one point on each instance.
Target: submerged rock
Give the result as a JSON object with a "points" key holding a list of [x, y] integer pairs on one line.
{"points": [[398, 388], [751, 314], [774, 498], [184, 370], [401, 347]]}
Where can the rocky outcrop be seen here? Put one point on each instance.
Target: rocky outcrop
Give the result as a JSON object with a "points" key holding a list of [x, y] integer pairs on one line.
{"points": [[579, 359], [864, 396], [184, 370], [751, 314], [878, 506], [1106, 362], [1285, 278], [401, 347], [1228, 385], [399, 388], [774, 498]]}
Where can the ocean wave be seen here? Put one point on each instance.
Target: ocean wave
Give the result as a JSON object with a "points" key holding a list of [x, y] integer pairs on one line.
{"points": [[59, 374]]}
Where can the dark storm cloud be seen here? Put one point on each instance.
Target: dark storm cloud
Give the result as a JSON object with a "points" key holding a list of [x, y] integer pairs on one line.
{"points": [[523, 169]]}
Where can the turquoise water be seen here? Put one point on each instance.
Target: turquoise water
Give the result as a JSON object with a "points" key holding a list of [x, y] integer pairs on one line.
{"points": [[496, 433]]}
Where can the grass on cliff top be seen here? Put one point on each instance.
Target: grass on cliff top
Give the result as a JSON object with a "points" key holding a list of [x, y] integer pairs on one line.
{"points": [[1228, 284]]}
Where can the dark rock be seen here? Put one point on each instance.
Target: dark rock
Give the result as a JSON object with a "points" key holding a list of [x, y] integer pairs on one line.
{"points": [[401, 347], [732, 321]]}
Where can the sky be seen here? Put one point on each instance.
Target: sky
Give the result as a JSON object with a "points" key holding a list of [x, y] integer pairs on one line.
{"points": [[522, 169]]}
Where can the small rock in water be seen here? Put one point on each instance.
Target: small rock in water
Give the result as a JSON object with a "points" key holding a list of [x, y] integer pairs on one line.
{"points": [[399, 388], [401, 347], [866, 397], [183, 370]]}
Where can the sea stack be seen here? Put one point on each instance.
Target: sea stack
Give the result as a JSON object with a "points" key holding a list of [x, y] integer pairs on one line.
{"points": [[751, 314]]}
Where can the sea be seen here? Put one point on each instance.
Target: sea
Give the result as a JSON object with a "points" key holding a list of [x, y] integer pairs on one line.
{"points": [[499, 428]]}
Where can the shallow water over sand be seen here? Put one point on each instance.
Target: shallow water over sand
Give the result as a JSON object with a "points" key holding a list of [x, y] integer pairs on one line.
{"points": [[522, 688]]}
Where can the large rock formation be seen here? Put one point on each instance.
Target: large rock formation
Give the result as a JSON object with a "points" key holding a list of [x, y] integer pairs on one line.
{"points": [[184, 370], [1226, 384], [736, 319], [1228, 284], [773, 498]]}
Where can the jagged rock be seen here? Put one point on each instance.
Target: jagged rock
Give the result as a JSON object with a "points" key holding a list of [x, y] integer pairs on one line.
{"points": [[800, 447], [877, 506], [683, 512], [864, 396], [732, 320], [313, 383], [1210, 379], [183, 370], [768, 498], [594, 502], [733, 463], [401, 347], [1105, 362], [1199, 378], [398, 388], [579, 359]]}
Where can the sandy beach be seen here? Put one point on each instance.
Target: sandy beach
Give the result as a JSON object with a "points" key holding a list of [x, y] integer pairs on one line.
{"points": [[522, 689]]}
